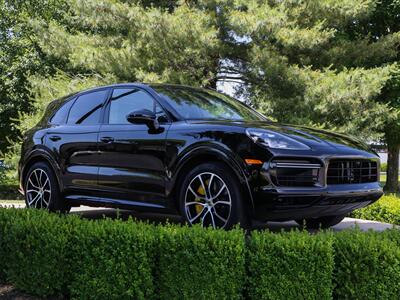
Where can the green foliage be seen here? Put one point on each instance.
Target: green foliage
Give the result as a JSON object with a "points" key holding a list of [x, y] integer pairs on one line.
{"points": [[198, 263], [6, 219], [112, 260], [51, 255], [384, 167], [291, 265], [34, 246], [367, 266], [20, 57], [304, 67], [329, 64], [386, 209], [135, 43]]}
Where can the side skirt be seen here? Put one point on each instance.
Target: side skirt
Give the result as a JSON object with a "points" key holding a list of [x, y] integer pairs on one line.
{"points": [[76, 200]]}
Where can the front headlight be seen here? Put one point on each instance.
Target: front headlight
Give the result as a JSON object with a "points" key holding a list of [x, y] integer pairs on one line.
{"points": [[274, 140]]}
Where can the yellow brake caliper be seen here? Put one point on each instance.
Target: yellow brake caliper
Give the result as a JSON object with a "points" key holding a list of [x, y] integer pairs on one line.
{"points": [[201, 192]]}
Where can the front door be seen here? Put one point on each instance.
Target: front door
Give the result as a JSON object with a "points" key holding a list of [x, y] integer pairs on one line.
{"points": [[131, 156]]}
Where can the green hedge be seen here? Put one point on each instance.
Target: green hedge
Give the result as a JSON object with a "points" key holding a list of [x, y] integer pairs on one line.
{"points": [[386, 209], [197, 263], [367, 265], [34, 245], [290, 265], [112, 260], [48, 255]]}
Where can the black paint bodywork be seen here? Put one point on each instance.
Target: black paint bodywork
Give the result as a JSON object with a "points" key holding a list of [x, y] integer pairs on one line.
{"points": [[140, 169]]}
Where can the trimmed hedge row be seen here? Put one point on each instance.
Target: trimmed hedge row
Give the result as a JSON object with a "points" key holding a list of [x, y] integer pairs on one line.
{"points": [[50, 255], [293, 265], [386, 209], [367, 265], [197, 263]]}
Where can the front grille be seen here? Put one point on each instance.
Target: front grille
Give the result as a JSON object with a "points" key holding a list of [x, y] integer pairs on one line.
{"points": [[295, 173], [347, 171]]}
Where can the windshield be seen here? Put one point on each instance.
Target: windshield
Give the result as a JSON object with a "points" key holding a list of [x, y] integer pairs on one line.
{"points": [[192, 103]]}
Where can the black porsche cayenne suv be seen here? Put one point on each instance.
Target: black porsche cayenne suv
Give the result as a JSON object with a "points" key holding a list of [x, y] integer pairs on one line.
{"points": [[195, 152]]}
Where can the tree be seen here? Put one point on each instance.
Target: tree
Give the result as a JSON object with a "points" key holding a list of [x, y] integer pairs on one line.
{"points": [[326, 63], [135, 43], [20, 57], [384, 24], [329, 63]]}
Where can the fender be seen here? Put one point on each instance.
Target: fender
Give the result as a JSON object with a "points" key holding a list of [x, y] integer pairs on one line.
{"points": [[218, 151], [40, 154]]}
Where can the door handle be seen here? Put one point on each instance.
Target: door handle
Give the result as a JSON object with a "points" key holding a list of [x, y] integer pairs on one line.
{"points": [[55, 138], [107, 139]]}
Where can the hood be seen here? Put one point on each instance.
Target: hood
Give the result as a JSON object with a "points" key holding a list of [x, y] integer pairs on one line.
{"points": [[314, 138]]}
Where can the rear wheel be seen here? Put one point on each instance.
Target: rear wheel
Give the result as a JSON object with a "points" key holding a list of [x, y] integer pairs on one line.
{"points": [[41, 189], [322, 222], [210, 195]]}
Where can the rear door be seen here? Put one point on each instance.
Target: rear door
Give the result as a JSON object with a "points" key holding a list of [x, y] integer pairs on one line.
{"points": [[74, 142], [132, 157]]}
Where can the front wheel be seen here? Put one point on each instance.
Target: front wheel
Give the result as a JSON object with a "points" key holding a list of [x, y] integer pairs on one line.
{"points": [[41, 189], [322, 222], [210, 195]]}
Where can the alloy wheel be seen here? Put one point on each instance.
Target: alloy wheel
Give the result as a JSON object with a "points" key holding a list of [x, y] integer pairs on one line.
{"points": [[208, 201], [38, 189]]}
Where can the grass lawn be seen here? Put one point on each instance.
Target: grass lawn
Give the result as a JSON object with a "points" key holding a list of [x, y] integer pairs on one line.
{"points": [[382, 179]]}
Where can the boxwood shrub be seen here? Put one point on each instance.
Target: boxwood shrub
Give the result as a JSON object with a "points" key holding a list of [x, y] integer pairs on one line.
{"points": [[367, 265], [200, 263], [49, 255], [112, 260], [34, 245], [386, 209], [294, 265], [6, 219]]}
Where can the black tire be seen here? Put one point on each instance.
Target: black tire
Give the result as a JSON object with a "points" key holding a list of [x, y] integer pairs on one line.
{"points": [[222, 174], [41, 177], [322, 222]]}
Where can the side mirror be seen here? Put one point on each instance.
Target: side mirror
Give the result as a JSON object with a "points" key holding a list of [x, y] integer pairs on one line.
{"points": [[143, 116]]}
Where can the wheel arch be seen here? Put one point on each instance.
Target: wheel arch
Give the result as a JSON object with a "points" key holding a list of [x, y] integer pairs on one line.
{"points": [[206, 155], [39, 156]]}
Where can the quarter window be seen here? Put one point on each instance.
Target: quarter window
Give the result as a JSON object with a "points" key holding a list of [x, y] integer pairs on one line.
{"points": [[61, 115], [87, 108], [125, 101]]}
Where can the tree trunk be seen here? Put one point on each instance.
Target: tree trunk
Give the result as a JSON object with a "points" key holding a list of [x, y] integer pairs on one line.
{"points": [[392, 178]]}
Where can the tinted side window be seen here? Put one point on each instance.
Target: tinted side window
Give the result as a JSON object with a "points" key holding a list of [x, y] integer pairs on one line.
{"points": [[87, 108], [125, 101], [61, 115]]}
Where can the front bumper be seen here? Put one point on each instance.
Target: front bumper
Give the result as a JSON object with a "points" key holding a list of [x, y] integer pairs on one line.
{"points": [[282, 204]]}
